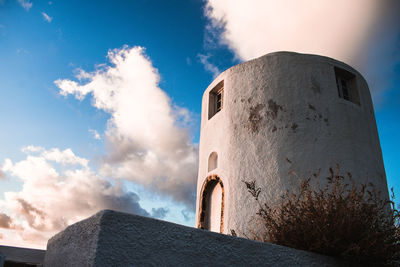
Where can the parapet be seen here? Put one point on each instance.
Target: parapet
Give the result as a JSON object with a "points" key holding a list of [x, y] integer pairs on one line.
{"points": [[111, 238]]}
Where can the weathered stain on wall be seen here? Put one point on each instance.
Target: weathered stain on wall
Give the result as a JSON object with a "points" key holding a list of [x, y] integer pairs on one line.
{"points": [[255, 118]]}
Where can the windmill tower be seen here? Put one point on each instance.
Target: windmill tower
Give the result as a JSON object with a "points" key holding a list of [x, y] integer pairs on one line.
{"points": [[280, 112]]}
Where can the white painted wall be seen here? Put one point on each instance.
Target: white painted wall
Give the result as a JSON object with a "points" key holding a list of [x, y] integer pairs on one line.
{"points": [[111, 238], [282, 113], [214, 209]]}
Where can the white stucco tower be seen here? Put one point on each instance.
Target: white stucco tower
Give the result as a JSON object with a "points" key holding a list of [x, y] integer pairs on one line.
{"points": [[278, 113]]}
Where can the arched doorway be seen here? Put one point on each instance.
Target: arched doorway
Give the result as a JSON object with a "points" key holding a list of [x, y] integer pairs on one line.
{"points": [[211, 214]]}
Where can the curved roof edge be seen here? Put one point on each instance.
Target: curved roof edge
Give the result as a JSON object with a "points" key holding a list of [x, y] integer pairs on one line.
{"points": [[320, 57]]}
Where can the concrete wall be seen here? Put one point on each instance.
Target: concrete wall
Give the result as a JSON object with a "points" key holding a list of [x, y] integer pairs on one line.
{"points": [[112, 238], [281, 112]]}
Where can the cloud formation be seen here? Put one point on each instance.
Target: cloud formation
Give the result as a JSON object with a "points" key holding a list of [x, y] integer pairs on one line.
{"points": [[146, 138], [337, 29], [47, 17], [58, 189], [344, 30], [26, 4]]}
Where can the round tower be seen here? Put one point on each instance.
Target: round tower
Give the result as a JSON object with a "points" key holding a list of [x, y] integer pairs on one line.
{"points": [[278, 113]]}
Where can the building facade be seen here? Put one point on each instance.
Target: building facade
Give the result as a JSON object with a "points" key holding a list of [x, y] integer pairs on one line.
{"points": [[283, 112]]}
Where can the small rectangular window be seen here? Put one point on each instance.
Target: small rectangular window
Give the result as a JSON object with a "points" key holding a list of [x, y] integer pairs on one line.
{"points": [[347, 85], [216, 99]]}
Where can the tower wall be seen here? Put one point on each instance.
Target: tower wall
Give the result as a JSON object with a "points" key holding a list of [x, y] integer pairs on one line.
{"points": [[280, 113]]}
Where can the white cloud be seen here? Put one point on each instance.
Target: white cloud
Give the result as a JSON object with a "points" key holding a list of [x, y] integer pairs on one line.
{"points": [[333, 28], [31, 148], [208, 66], [64, 157], [27, 4], [95, 134], [50, 199], [47, 17], [145, 140]]}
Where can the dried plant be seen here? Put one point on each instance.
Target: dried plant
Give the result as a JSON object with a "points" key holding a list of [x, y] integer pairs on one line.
{"points": [[341, 220]]}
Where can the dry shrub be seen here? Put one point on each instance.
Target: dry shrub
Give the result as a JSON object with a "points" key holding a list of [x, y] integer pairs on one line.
{"points": [[340, 220]]}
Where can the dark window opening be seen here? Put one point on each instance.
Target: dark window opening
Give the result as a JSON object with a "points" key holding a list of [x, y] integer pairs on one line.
{"points": [[347, 85], [215, 100]]}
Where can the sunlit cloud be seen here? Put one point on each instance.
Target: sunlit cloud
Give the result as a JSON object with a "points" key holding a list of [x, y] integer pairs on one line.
{"points": [[337, 29], [53, 198], [65, 157], [146, 138]]}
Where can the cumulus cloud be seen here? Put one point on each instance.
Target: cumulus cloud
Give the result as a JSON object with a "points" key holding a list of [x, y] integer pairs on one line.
{"points": [[208, 66], [340, 29], [64, 157], [146, 140], [95, 134], [51, 199], [335, 29], [26, 4], [47, 17]]}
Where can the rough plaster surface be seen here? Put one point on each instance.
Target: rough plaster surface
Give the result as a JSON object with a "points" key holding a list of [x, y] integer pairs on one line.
{"points": [[112, 238], [76, 245], [281, 113]]}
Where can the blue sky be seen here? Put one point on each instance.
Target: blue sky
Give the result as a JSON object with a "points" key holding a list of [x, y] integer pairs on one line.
{"points": [[45, 41]]}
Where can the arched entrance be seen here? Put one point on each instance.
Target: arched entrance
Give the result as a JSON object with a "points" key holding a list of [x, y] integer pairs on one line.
{"points": [[211, 214]]}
